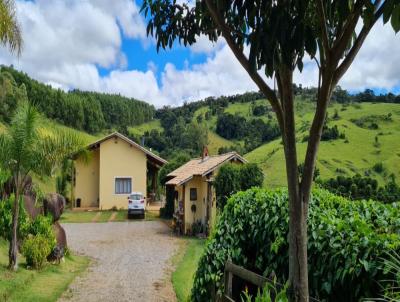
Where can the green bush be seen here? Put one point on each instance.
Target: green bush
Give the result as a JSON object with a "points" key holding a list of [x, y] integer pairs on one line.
{"points": [[40, 242], [226, 183], [347, 239], [233, 178], [42, 225], [37, 236], [6, 207], [358, 187], [270, 293], [36, 248], [378, 168]]}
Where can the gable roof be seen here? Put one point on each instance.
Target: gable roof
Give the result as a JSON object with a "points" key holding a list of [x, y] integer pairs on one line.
{"points": [[201, 167], [150, 155]]}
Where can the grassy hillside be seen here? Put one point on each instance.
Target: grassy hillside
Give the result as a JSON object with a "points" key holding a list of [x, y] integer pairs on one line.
{"points": [[141, 129], [358, 153]]}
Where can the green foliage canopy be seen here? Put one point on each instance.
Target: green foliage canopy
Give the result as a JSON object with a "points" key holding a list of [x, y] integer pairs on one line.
{"points": [[232, 178], [346, 242]]}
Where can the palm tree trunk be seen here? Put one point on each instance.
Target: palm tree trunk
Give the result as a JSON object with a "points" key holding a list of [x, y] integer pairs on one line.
{"points": [[13, 250]]}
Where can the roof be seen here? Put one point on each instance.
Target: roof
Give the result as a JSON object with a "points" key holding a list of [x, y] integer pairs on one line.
{"points": [[150, 155], [200, 167]]}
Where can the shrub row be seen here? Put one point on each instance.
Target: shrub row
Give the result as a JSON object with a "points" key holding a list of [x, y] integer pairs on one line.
{"points": [[347, 240]]}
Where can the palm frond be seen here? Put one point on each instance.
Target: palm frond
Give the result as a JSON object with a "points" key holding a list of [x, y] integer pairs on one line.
{"points": [[10, 32], [53, 148], [5, 150], [24, 134]]}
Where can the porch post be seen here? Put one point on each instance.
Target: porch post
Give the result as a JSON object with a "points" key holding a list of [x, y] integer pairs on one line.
{"points": [[154, 184], [184, 207]]}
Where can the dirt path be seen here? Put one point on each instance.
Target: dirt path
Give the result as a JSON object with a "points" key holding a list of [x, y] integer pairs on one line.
{"points": [[131, 261], [96, 217], [113, 215]]}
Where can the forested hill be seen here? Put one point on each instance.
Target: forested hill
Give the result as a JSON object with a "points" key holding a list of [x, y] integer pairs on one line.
{"points": [[89, 111], [360, 135]]}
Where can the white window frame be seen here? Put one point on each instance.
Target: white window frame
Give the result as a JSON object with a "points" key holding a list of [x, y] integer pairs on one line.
{"points": [[126, 177]]}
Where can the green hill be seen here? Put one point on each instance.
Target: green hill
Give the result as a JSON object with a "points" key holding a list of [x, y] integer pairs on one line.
{"points": [[358, 152], [371, 130]]}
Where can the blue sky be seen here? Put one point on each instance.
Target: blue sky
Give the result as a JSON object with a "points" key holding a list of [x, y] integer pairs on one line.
{"points": [[101, 45]]}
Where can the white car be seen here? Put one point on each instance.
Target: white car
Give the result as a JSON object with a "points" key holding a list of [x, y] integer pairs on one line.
{"points": [[136, 204]]}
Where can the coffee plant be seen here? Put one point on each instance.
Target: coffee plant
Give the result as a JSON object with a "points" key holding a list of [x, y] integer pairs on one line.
{"points": [[347, 240]]}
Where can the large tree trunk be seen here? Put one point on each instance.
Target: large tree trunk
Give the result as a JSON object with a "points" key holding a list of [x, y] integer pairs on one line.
{"points": [[298, 269], [13, 250]]}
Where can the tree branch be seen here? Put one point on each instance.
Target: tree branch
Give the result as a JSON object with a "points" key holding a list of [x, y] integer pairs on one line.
{"points": [[262, 85], [348, 60], [315, 134], [323, 25], [341, 42]]}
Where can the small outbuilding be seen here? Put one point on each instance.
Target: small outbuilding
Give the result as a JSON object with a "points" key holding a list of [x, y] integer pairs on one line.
{"points": [[116, 166], [194, 193]]}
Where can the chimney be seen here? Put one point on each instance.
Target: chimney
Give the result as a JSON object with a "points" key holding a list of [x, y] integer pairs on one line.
{"points": [[142, 141], [204, 155]]}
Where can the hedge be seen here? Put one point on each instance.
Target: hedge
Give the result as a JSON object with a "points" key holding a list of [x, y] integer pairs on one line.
{"points": [[346, 244]]}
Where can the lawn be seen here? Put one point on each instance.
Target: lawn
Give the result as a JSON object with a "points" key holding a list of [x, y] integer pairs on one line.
{"points": [[186, 266], [102, 216], [78, 216], [30, 285]]}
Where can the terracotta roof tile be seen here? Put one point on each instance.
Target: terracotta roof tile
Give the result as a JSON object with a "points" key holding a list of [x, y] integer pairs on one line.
{"points": [[200, 167]]}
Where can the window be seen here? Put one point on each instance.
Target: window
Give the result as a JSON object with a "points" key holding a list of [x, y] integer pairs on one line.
{"points": [[123, 185], [136, 197], [193, 194]]}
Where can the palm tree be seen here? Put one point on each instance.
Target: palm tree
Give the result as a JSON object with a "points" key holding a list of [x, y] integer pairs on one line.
{"points": [[26, 148], [10, 33]]}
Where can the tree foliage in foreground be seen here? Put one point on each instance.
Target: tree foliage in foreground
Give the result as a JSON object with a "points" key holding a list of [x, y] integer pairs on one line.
{"points": [[25, 149], [272, 38], [347, 242], [10, 31]]}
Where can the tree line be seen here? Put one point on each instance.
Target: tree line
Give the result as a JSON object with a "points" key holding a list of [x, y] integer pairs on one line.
{"points": [[88, 111], [342, 96]]}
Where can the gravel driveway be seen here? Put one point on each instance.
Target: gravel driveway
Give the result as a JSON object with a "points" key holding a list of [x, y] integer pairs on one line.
{"points": [[131, 261]]}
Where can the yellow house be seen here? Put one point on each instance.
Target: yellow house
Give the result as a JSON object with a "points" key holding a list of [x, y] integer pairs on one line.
{"points": [[116, 167], [195, 199]]}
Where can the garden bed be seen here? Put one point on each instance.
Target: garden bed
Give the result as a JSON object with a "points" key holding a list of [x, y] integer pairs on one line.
{"points": [[30, 285]]}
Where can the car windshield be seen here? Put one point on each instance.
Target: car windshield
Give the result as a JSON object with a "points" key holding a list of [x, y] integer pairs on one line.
{"points": [[135, 197]]}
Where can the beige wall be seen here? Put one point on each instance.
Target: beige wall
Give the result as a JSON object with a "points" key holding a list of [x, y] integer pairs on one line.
{"points": [[87, 180], [201, 202], [120, 159]]}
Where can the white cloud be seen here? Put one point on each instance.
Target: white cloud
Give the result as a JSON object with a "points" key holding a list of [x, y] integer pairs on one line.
{"points": [[66, 41], [204, 45], [220, 74], [66, 47], [127, 14], [378, 62], [133, 83]]}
